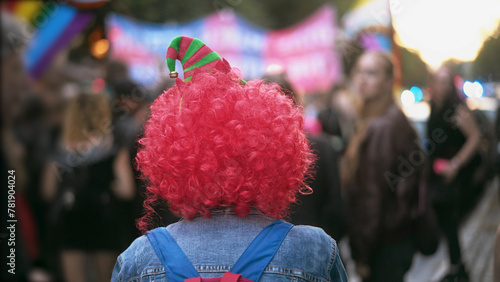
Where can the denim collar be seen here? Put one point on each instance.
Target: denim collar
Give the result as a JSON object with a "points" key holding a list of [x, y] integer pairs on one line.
{"points": [[230, 211]]}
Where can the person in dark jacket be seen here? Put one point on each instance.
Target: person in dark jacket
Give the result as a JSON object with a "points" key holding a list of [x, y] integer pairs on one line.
{"points": [[380, 176]]}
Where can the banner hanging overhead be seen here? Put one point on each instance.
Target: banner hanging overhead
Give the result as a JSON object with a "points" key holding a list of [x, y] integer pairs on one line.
{"points": [[304, 51]]}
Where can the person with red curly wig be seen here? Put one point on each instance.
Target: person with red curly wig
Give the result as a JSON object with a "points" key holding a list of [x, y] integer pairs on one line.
{"points": [[229, 157]]}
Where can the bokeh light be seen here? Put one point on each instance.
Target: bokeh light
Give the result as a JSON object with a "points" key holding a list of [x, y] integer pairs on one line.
{"points": [[98, 85], [100, 48], [445, 29], [473, 89], [407, 98], [417, 93], [274, 69]]}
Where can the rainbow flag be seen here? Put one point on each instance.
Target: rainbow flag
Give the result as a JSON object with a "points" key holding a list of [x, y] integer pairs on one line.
{"points": [[25, 10], [63, 23]]}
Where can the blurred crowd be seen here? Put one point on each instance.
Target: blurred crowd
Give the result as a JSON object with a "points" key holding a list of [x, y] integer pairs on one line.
{"points": [[71, 137]]}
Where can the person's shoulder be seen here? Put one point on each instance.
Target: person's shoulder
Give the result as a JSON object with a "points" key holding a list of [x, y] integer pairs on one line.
{"points": [[304, 244], [138, 245], [308, 234], [311, 240], [138, 256]]}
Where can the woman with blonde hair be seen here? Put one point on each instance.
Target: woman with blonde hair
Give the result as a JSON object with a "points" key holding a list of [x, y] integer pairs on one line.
{"points": [[83, 185]]}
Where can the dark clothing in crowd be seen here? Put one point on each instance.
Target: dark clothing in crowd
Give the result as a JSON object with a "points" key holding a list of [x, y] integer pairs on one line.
{"points": [[497, 137], [39, 141], [447, 197], [497, 145], [127, 132], [382, 198], [322, 208], [392, 261], [329, 119], [86, 213]]}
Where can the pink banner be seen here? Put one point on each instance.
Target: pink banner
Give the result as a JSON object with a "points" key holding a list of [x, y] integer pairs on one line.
{"points": [[305, 51]]}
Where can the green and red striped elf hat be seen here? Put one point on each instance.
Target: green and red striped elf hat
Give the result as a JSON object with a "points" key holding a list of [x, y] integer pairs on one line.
{"points": [[191, 52]]}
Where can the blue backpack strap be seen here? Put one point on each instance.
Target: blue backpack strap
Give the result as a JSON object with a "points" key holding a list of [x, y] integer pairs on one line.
{"points": [[177, 265], [261, 251]]}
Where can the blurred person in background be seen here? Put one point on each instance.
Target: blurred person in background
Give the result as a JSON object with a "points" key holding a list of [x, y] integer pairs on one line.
{"points": [[330, 119], [130, 109], [116, 71], [40, 128], [15, 88], [481, 164], [82, 184], [323, 208], [338, 119], [496, 256], [497, 136], [16, 97], [380, 185], [451, 160]]}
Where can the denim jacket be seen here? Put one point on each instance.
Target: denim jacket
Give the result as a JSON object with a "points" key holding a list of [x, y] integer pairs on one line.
{"points": [[214, 244]]}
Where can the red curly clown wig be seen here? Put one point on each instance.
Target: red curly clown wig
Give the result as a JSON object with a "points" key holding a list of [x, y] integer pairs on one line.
{"points": [[216, 142]]}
